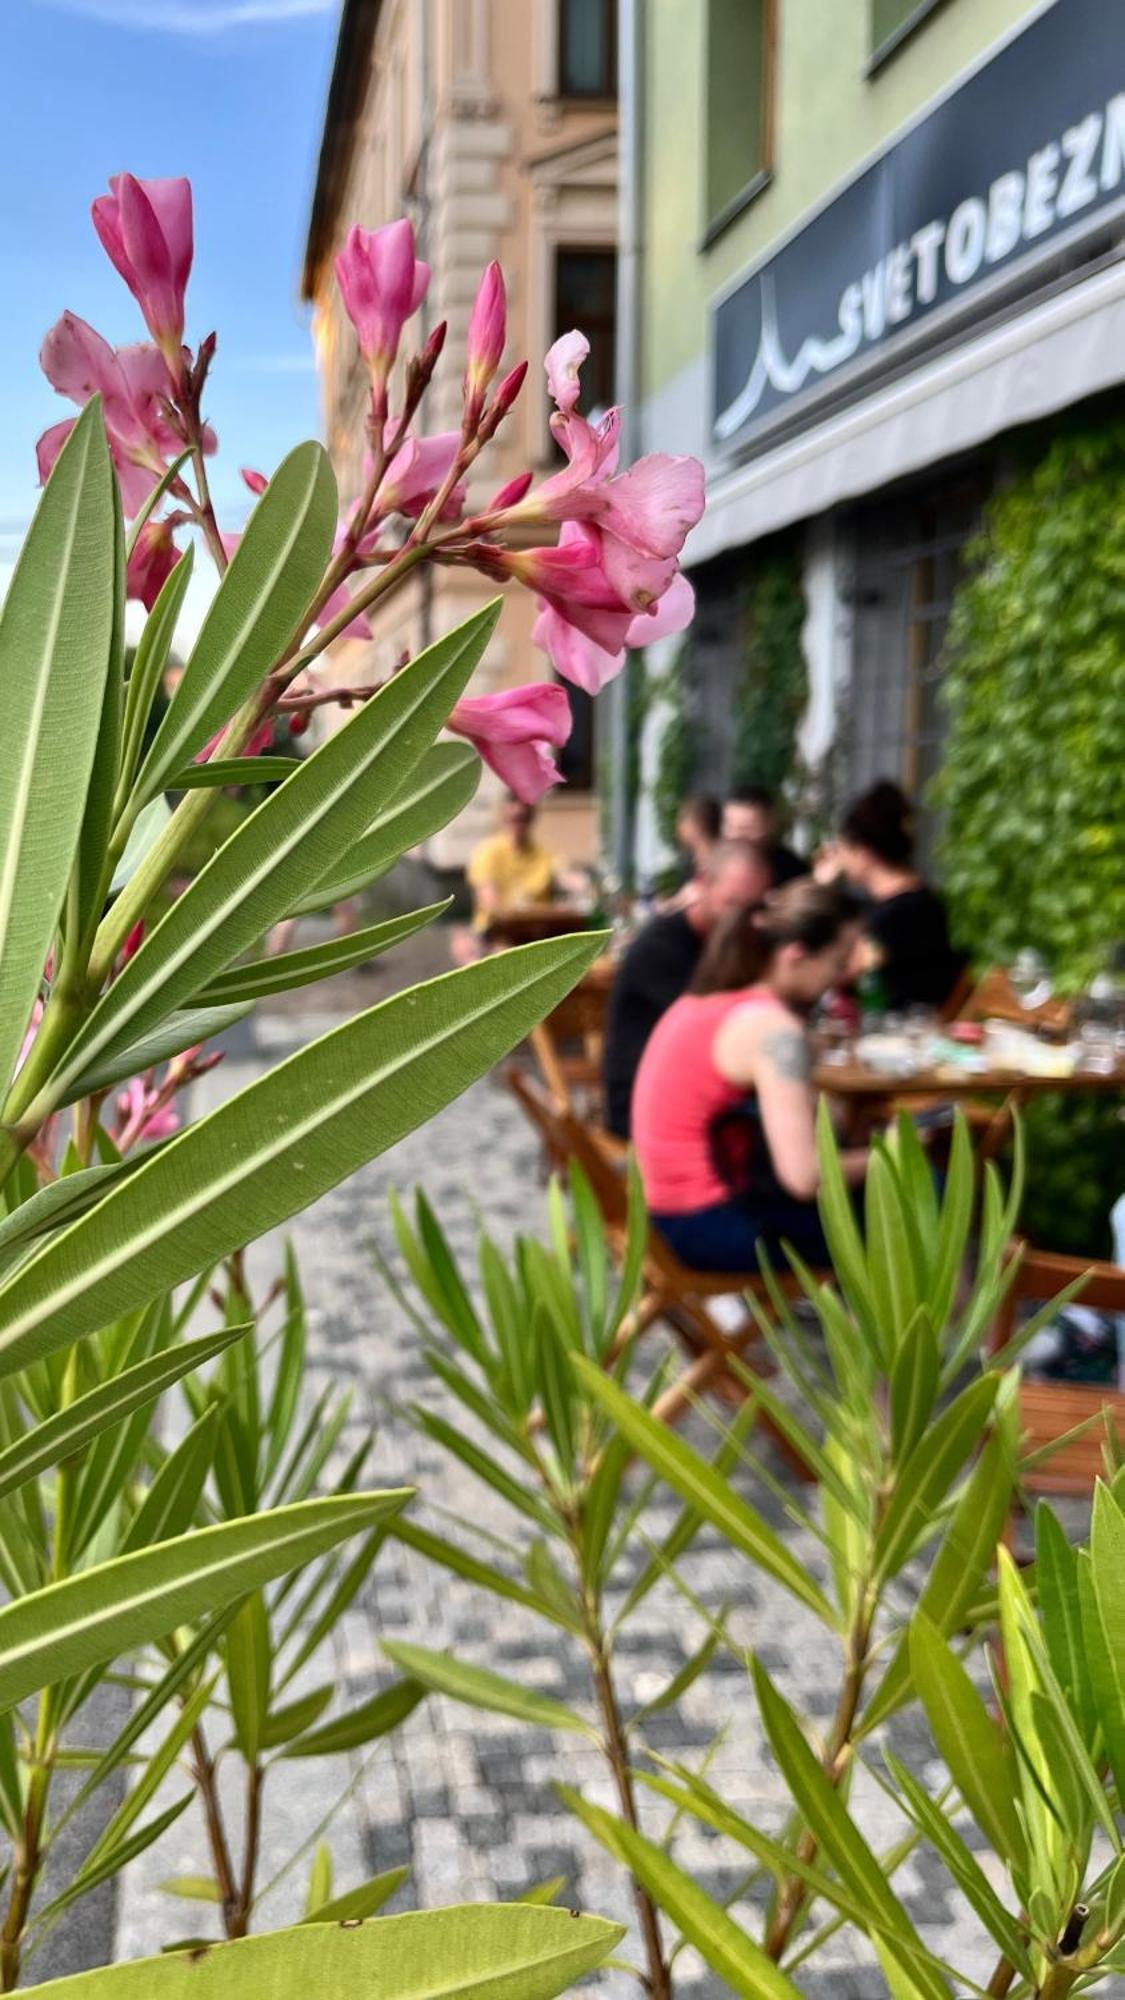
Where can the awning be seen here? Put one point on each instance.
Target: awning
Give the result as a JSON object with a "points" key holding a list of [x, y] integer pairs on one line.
{"points": [[1046, 358]]}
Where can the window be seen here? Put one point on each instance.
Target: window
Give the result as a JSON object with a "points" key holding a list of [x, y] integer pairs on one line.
{"points": [[576, 758], [910, 562], [586, 297], [587, 48], [741, 42], [892, 21]]}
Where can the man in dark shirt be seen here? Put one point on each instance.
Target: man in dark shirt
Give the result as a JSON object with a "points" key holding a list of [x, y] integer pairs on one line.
{"points": [[660, 963], [751, 814]]}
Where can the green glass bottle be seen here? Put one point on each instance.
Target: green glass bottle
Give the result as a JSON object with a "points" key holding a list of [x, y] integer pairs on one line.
{"points": [[871, 992]]}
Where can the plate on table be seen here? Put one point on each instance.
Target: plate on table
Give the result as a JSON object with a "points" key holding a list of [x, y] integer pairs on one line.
{"points": [[889, 1055]]}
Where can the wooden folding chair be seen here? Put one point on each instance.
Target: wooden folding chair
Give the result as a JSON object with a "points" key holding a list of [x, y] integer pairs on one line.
{"points": [[1051, 1410], [670, 1290], [567, 1047], [994, 998]]}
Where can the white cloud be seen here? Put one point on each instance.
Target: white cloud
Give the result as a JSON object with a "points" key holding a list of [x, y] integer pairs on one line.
{"points": [[191, 17]]}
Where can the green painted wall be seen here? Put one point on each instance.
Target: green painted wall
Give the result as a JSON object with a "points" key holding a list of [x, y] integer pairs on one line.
{"points": [[829, 117]]}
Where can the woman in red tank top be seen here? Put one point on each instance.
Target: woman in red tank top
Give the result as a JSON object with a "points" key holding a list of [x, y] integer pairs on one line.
{"points": [[734, 1054]]}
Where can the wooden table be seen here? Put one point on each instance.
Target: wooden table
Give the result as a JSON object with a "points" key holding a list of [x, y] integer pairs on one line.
{"points": [[855, 1079], [871, 1094], [528, 923]]}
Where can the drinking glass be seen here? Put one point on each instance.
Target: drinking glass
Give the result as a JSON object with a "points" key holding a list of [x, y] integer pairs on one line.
{"points": [[1030, 980]]}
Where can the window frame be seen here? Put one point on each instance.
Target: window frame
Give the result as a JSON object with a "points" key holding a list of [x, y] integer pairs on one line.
{"points": [[608, 253], [890, 45], [607, 93], [714, 225]]}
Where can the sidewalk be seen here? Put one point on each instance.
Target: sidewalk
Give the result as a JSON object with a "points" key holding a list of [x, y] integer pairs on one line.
{"points": [[467, 1801]]}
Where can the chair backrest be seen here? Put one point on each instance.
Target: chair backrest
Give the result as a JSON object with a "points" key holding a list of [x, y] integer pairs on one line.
{"points": [[1050, 1410], [545, 1114], [994, 998], [1042, 1274], [567, 1138], [953, 1008], [546, 1054], [580, 1015]]}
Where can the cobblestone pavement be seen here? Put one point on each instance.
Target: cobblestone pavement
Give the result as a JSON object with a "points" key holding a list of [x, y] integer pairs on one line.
{"points": [[467, 1801]]}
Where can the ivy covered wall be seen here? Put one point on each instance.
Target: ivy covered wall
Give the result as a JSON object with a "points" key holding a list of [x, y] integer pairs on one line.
{"points": [[1032, 786], [1033, 851]]}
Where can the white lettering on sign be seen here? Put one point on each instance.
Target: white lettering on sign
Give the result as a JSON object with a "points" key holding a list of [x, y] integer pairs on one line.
{"points": [[925, 244], [1080, 183], [1113, 151], [1042, 188], [1005, 216], [900, 273], [964, 241], [1058, 181]]}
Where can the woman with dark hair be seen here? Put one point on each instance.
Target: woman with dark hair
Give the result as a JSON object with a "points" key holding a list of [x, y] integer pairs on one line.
{"points": [[737, 1046], [905, 919]]}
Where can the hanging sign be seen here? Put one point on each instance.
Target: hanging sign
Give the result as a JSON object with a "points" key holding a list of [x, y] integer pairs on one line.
{"points": [[966, 210]]}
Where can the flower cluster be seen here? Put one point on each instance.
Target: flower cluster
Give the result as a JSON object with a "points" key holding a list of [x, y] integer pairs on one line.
{"points": [[606, 580]]}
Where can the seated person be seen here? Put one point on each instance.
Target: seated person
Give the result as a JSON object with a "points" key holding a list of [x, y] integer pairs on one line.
{"points": [[751, 814], [698, 824], [506, 872], [661, 961], [742, 1033], [904, 919]]}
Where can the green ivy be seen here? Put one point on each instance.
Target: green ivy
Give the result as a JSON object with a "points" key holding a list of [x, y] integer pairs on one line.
{"points": [[769, 696], [1034, 846], [772, 687], [677, 755], [1033, 850]]}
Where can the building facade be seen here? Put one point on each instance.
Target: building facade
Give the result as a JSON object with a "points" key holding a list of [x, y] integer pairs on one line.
{"points": [[493, 125], [876, 241]]}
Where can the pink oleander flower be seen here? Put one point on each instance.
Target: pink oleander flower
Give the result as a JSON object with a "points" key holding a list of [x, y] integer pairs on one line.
{"points": [[509, 495], [255, 746], [151, 564], [589, 666], [563, 365], [134, 1124], [488, 330], [359, 627], [29, 1039], [256, 481], [415, 474], [381, 283], [515, 731], [653, 505], [134, 385], [145, 227], [644, 513], [571, 577]]}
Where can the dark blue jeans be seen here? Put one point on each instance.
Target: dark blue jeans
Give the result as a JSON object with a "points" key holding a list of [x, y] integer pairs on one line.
{"points": [[727, 1237]]}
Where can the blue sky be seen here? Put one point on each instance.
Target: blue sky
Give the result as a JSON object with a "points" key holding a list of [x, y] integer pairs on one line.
{"points": [[229, 92]]}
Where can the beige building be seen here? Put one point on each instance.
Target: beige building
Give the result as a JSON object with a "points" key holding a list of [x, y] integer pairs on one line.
{"points": [[493, 125]]}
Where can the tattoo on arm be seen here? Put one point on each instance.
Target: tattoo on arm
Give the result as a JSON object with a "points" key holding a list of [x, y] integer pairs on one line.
{"points": [[788, 1052]]}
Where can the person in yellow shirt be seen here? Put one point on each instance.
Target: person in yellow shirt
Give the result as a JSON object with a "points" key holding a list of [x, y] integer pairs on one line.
{"points": [[510, 869], [507, 871]]}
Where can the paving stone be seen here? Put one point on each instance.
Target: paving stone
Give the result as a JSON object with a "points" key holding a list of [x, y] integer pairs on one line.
{"points": [[468, 1801]]}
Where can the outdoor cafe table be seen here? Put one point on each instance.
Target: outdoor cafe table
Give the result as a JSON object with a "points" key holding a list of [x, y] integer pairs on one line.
{"points": [[529, 923], [871, 1094]]}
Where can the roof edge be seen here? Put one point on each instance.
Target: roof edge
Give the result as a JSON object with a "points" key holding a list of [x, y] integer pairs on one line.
{"points": [[358, 22]]}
